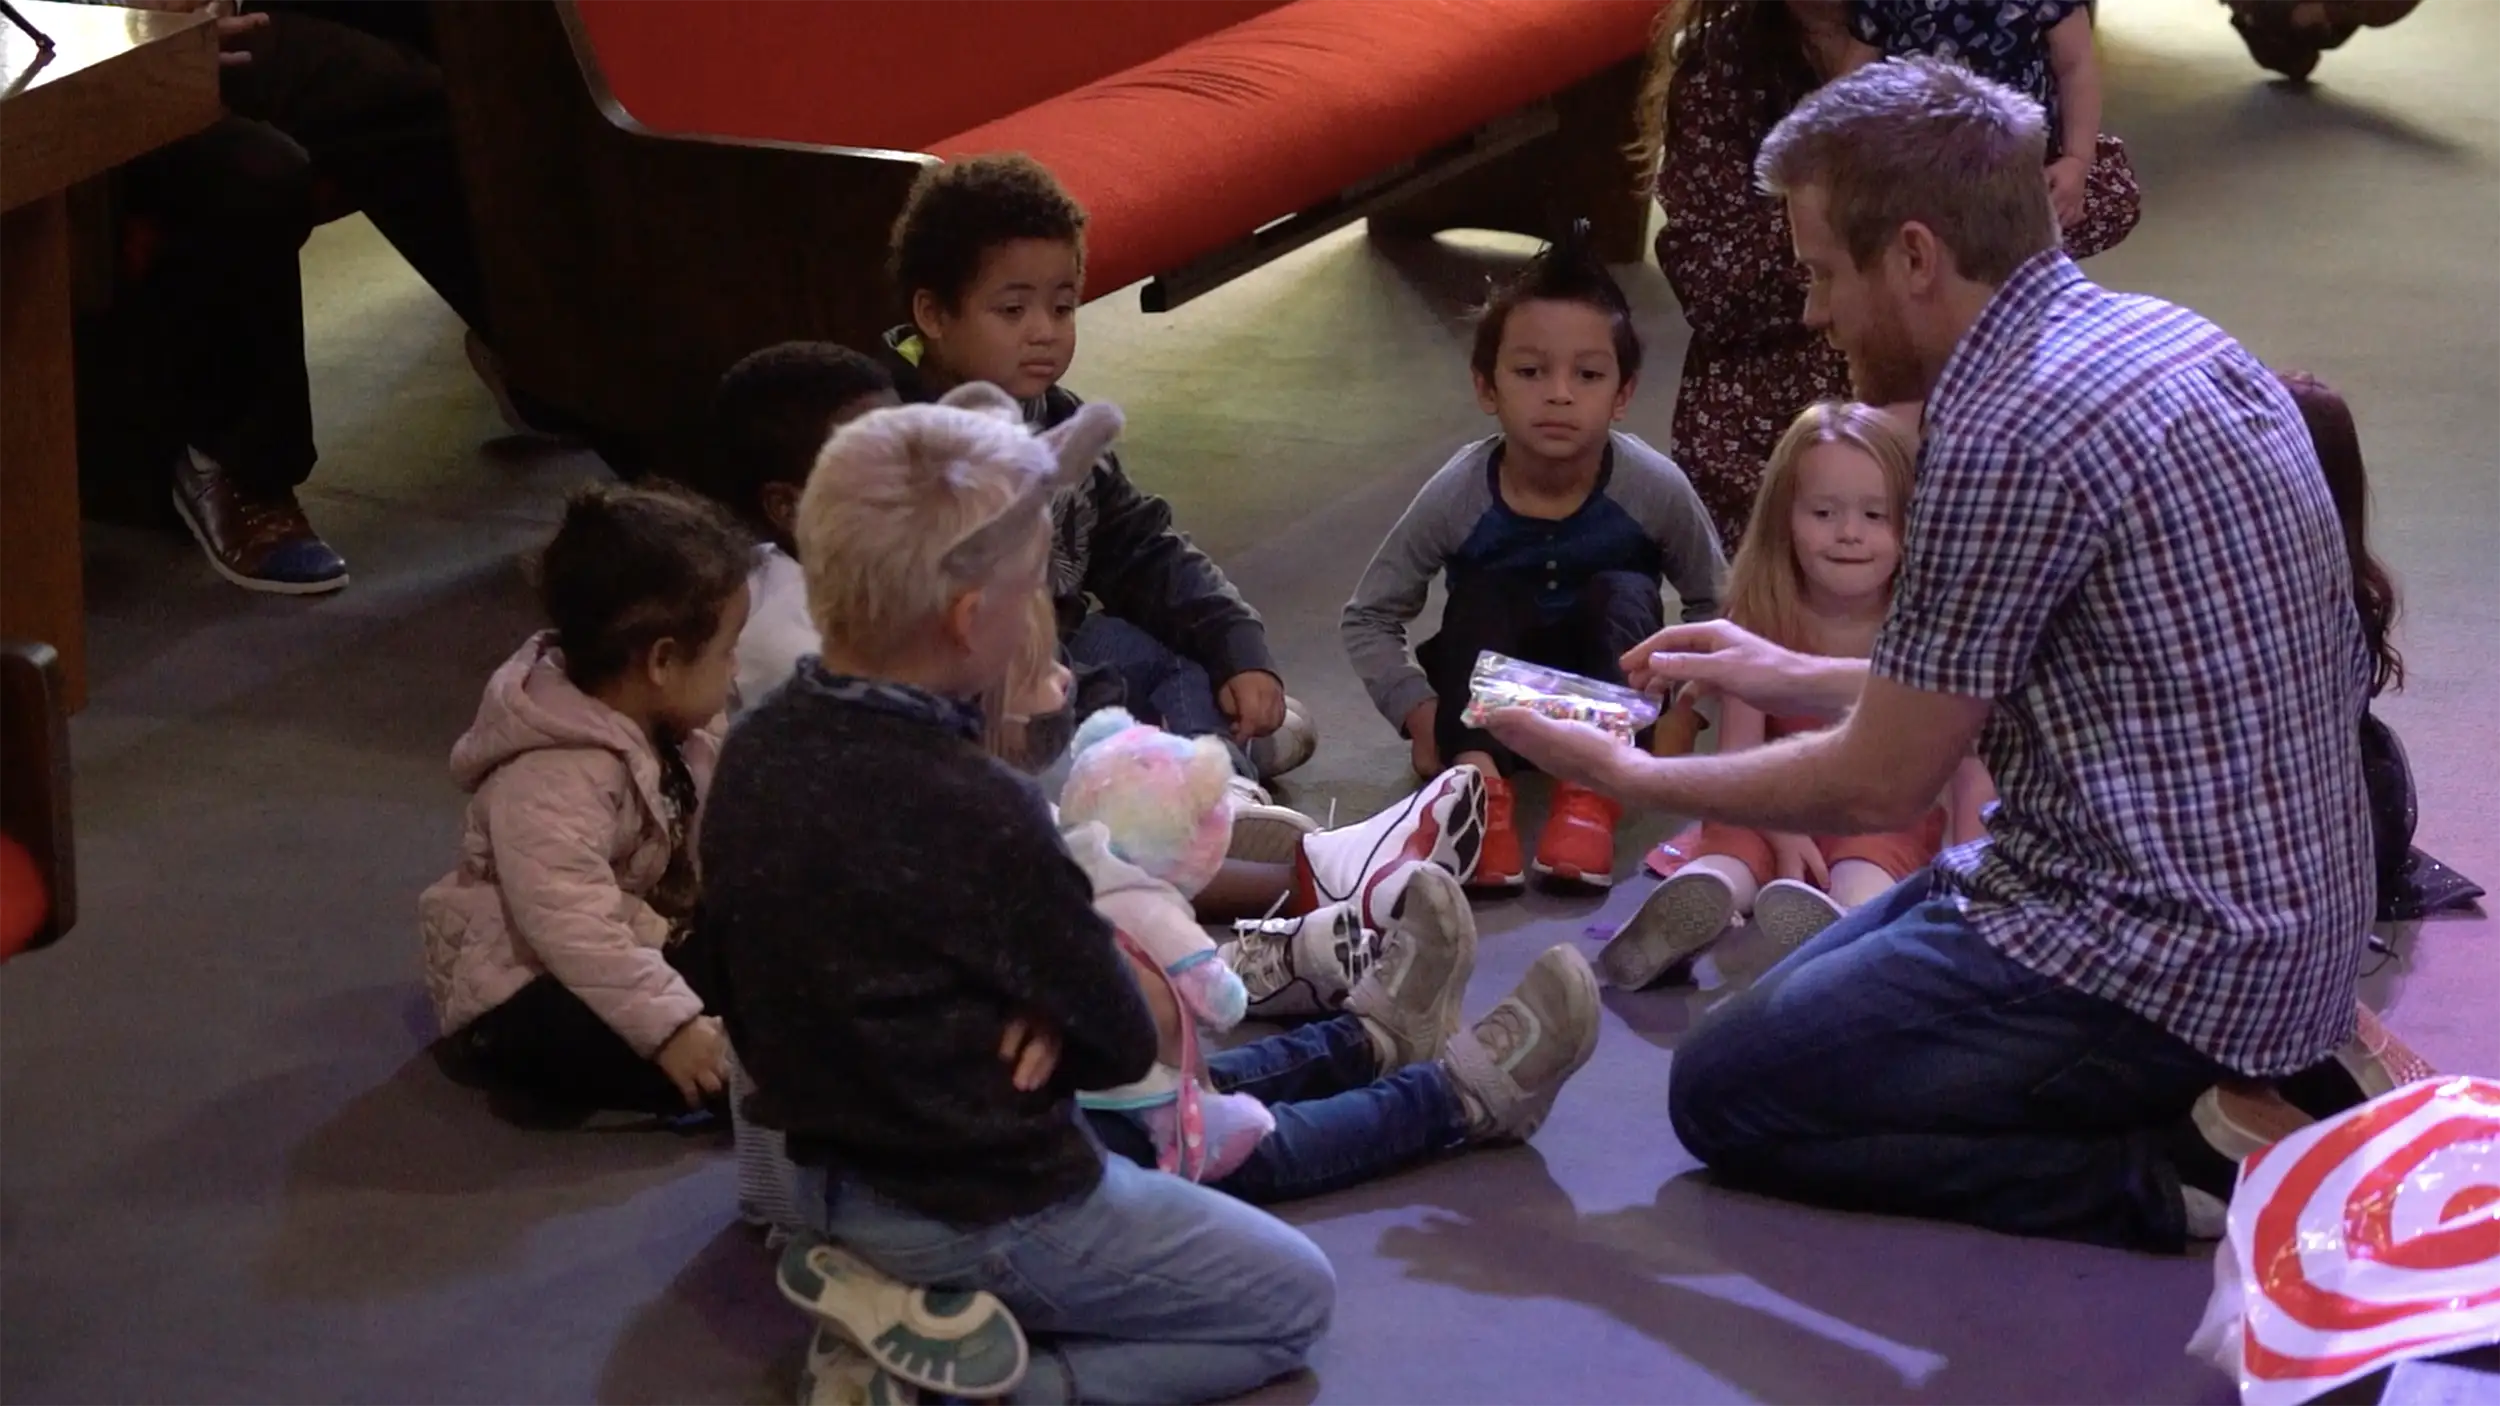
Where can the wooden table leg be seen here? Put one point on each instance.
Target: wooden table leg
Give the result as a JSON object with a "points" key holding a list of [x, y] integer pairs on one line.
{"points": [[41, 594]]}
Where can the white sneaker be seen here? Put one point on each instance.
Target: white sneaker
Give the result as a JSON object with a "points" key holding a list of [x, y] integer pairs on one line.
{"points": [[1289, 746], [1441, 824], [1295, 968], [1410, 1000], [839, 1374], [1263, 831], [1686, 914], [1788, 912]]}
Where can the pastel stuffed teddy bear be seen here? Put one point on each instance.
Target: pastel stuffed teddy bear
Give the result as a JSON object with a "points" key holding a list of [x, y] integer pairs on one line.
{"points": [[1149, 817]]}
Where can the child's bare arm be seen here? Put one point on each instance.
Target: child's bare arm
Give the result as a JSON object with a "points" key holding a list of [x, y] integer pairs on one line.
{"points": [[2077, 69]]}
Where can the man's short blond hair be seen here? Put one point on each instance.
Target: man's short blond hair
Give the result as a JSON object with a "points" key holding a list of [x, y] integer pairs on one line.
{"points": [[908, 508], [1926, 140]]}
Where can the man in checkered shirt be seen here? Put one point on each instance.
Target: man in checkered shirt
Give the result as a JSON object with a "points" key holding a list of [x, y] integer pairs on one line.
{"points": [[2124, 583]]}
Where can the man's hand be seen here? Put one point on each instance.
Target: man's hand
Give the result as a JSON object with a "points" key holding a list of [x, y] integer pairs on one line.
{"points": [[1030, 1051], [1422, 737], [2066, 181], [696, 1060], [1565, 751], [1796, 857], [1713, 657], [1255, 701]]}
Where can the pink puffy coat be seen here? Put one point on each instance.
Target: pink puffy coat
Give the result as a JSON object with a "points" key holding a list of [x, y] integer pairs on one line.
{"points": [[566, 833]]}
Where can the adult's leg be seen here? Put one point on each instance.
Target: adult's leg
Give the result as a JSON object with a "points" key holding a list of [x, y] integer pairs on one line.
{"points": [[371, 113], [1897, 1063], [1145, 1289], [1482, 613], [219, 311], [1339, 1121]]}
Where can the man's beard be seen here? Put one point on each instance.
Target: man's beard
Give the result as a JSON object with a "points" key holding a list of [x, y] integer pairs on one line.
{"points": [[1885, 370]]}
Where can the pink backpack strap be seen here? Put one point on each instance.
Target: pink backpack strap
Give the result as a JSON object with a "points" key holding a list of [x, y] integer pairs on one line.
{"points": [[1185, 1154]]}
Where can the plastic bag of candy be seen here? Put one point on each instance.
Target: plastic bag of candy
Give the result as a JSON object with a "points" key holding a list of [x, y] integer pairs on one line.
{"points": [[1500, 681], [2368, 1239]]}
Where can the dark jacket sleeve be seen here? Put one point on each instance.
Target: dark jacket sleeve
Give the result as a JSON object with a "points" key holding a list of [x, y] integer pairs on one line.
{"points": [[1724, 244], [1145, 571], [1062, 965]]}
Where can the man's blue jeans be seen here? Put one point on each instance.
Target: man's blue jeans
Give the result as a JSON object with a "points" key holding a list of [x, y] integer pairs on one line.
{"points": [[1339, 1122], [1146, 1289], [1897, 1063]]}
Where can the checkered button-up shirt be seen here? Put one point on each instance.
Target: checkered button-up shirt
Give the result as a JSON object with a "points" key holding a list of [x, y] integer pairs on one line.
{"points": [[2121, 537]]}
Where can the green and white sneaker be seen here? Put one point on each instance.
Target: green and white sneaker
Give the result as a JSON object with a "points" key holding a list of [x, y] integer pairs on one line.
{"points": [[940, 1340], [839, 1374]]}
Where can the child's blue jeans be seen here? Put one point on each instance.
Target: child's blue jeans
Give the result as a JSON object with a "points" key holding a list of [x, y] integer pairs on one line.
{"points": [[1339, 1122], [1145, 1289], [1161, 687]]}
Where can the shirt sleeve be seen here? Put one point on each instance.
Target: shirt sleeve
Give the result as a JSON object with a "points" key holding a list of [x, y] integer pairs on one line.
{"points": [[1998, 542], [1062, 964], [1395, 586], [1661, 498]]}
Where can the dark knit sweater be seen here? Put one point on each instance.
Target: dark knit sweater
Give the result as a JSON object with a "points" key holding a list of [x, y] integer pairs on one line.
{"points": [[884, 897]]}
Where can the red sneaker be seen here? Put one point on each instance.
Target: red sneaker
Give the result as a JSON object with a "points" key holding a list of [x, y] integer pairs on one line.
{"points": [[1578, 846], [1501, 868]]}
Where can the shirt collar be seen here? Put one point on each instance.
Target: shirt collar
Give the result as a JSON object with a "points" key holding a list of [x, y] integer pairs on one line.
{"points": [[2016, 304], [897, 700]]}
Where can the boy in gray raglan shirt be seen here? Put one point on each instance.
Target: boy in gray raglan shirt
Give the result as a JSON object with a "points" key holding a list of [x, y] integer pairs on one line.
{"points": [[1557, 536]]}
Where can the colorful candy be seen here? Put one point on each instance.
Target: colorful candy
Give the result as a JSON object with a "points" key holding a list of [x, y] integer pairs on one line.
{"points": [[1499, 681]]}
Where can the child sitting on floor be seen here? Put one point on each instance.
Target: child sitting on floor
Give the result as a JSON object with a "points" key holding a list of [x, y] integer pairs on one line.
{"points": [[769, 418], [1387, 1083], [1299, 891], [557, 949], [1555, 535], [1815, 574], [989, 254], [2044, 50], [913, 968]]}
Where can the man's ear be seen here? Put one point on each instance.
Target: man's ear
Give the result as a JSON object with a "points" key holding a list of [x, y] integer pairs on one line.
{"points": [[1486, 400], [1924, 261], [1081, 439], [1623, 395]]}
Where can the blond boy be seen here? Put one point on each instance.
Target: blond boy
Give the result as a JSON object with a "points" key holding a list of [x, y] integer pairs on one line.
{"points": [[915, 973]]}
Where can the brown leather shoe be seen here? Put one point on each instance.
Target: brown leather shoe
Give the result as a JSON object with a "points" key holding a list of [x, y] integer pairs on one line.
{"points": [[261, 543]]}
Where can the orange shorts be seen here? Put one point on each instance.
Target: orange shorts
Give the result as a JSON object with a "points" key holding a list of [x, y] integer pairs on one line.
{"points": [[1899, 853]]}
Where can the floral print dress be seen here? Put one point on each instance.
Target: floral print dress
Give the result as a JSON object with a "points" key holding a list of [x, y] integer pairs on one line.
{"points": [[2008, 41], [1752, 364]]}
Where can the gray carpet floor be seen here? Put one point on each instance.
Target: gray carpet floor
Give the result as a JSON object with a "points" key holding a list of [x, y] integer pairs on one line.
{"points": [[229, 1173]]}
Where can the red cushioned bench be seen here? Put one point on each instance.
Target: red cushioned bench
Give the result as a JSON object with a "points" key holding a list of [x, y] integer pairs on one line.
{"points": [[663, 185]]}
